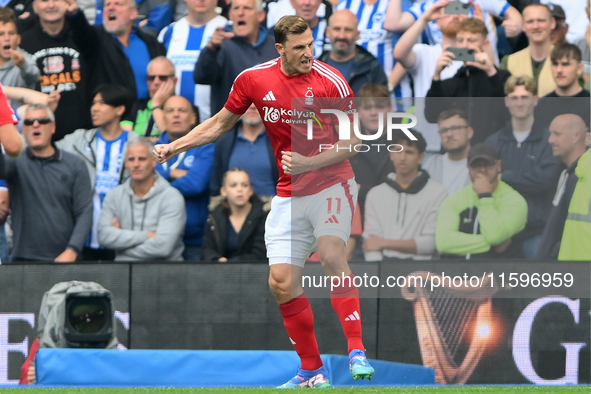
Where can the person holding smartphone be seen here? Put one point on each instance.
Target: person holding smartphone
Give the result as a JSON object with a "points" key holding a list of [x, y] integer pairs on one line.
{"points": [[473, 81]]}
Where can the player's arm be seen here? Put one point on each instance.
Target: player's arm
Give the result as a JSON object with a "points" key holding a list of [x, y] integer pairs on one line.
{"points": [[294, 163], [203, 134], [11, 140]]}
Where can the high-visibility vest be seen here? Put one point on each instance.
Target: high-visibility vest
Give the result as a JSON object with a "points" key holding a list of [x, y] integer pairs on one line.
{"points": [[576, 238]]}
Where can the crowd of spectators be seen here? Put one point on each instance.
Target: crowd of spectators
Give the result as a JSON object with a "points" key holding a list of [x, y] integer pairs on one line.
{"points": [[498, 167]]}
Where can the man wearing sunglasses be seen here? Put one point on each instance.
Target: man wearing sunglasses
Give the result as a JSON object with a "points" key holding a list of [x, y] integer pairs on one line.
{"points": [[50, 194], [146, 114], [480, 220]]}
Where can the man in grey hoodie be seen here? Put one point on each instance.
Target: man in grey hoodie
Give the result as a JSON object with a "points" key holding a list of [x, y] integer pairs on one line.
{"points": [[144, 218]]}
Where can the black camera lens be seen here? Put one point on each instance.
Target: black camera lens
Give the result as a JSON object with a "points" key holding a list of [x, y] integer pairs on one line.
{"points": [[87, 315]]}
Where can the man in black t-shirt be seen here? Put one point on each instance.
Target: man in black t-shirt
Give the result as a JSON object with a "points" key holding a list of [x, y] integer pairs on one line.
{"points": [[61, 64], [569, 96]]}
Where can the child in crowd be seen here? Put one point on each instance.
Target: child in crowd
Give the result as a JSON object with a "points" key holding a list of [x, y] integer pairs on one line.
{"points": [[17, 67], [235, 229]]}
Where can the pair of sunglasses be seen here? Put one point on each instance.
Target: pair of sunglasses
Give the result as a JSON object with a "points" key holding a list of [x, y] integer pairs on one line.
{"points": [[31, 121], [163, 78]]}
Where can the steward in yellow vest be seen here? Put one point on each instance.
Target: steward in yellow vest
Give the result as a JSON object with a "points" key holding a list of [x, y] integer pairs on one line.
{"points": [[576, 238]]}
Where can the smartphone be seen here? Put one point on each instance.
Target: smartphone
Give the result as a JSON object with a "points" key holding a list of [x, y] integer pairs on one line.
{"points": [[456, 8], [462, 54], [228, 28]]}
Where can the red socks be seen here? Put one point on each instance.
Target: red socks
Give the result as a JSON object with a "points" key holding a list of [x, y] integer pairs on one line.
{"points": [[299, 322], [345, 301]]}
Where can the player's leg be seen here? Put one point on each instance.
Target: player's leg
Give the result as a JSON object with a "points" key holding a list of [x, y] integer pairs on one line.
{"points": [[284, 281], [344, 297], [338, 204], [286, 259], [285, 284]]}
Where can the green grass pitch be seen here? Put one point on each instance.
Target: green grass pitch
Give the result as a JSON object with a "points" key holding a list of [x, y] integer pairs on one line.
{"points": [[334, 390]]}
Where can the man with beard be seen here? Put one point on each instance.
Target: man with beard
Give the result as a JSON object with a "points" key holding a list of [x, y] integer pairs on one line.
{"points": [[314, 184], [399, 20], [357, 65], [119, 50], [450, 169], [420, 60]]}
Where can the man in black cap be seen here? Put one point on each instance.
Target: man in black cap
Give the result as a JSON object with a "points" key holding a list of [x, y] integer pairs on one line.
{"points": [[558, 34], [482, 219]]}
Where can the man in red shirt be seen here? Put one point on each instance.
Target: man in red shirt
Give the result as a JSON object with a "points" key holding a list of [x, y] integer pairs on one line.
{"points": [[312, 187]]}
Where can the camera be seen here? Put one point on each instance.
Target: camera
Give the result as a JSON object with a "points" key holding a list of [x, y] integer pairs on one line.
{"points": [[77, 315]]}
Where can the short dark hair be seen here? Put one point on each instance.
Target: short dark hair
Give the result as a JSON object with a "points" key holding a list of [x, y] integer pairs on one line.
{"points": [[399, 135], [7, 15], [450, 113], [566, 50], [116, 96], [290, 24]]}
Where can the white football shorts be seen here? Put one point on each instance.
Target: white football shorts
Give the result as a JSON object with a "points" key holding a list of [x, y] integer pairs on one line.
{"points": [[295, 223]]}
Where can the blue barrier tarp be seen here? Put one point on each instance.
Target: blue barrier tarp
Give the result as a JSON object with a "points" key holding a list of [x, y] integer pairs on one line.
{"points": [[204, 368]]}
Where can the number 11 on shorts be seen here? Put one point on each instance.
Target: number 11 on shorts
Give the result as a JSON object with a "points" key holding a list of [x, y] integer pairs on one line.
{"points": [[329, 210]]}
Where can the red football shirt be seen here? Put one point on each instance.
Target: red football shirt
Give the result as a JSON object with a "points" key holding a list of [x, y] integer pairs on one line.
{"points": [[6, 113], [284, 103]]}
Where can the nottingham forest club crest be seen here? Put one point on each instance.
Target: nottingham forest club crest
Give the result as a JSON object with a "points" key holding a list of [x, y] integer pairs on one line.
{"points": [[309, 100]]}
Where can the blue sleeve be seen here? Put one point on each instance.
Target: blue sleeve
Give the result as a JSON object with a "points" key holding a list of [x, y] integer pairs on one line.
{"points": [[160, 17], [504, 10], [406, 5], [197, 179]]}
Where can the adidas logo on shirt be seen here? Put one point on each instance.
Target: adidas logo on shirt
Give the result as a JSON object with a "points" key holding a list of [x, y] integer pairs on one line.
{"points": [[353, 316], [269, 96], [332, 219]]}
